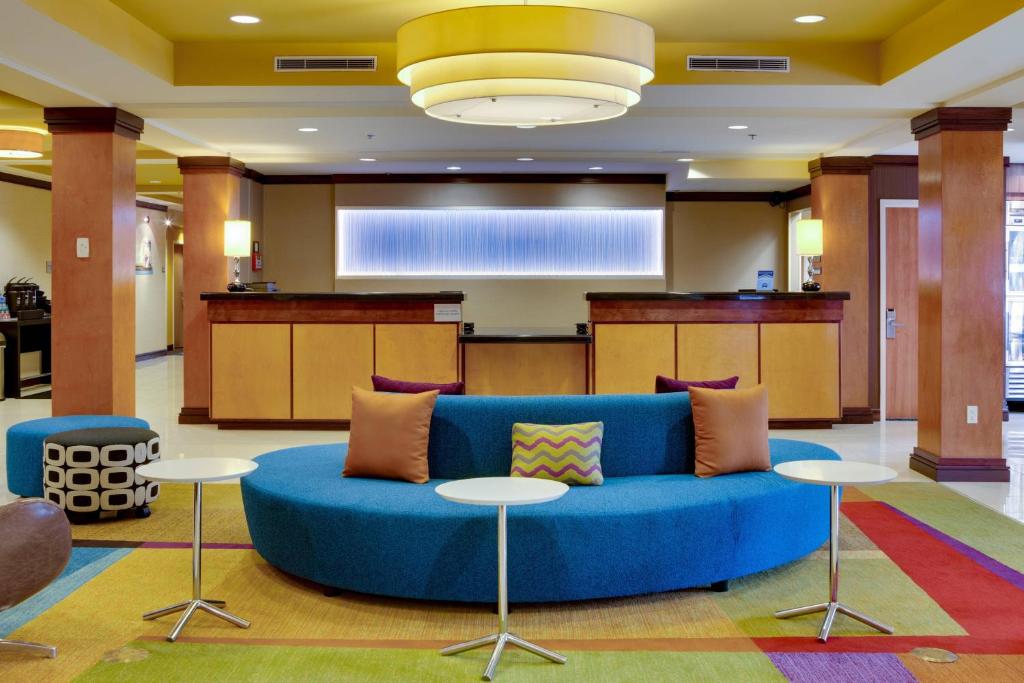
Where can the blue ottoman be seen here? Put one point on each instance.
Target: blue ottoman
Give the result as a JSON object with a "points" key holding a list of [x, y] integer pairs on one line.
{"points": [[25, 446]]}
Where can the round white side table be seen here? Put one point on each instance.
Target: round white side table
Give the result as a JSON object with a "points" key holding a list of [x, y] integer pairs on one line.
{"points": [[196, 471], [502, 492], [834, 473]]}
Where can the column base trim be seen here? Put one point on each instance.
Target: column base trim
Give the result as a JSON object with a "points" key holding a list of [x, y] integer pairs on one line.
{"points": [[959, 469], [194, 416], [857, 415]]}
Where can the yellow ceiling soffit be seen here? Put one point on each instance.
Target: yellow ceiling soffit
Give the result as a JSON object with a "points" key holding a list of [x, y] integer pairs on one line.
{"points": [[940, 29], [751, 169], [252, 64], [107, 25], [810, 64], [241, 63]]}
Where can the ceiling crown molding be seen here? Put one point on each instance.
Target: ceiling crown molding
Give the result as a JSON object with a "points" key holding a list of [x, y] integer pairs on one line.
{"points": [[976, 119], [189, 165], [93, 120], [839, 166]]}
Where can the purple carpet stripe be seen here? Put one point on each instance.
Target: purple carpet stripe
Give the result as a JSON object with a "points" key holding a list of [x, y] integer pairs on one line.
{"points": [[187, 544], [841, 667], [557, 473], [1008, 574], [557, 444]]}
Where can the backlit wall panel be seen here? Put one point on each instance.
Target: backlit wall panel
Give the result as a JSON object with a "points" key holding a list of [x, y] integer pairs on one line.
{"points": [[500, 243]]}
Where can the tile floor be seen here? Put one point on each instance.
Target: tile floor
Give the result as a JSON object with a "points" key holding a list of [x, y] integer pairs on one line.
{"points": [[159, 391]]}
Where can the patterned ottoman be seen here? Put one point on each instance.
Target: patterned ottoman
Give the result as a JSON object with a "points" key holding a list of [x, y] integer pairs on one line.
{"points": [[90, 473]]}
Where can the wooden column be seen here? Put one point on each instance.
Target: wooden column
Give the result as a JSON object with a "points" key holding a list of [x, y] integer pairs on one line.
{"points": [[839, 197], [211, 196], [93, 296], [962, 293]]}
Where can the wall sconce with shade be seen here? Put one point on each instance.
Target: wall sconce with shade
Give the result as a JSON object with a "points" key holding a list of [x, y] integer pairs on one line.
{"points": [[810, 243], [237, 238]]}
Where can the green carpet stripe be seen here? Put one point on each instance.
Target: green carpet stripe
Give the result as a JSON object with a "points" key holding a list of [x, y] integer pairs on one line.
{"points": [[180, 662]]}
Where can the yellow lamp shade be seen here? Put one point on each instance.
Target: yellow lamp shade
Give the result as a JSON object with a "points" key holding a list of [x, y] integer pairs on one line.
{"points": [[538, 65], [809, 237], [20, 142], [237, 238]]}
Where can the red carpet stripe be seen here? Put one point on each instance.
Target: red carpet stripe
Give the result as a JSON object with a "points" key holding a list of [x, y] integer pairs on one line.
{"points": [[982, 602]]}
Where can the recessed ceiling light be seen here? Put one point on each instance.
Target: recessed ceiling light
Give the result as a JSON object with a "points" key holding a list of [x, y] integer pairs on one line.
{"points": [[526, 126], [684, 160], [738, 127], [810, 19], [167, 222], [454, 168], [596, 168], [308, 130], [367, 159], [154, 182], [1009, 130], [245, 19], [524, 159]]}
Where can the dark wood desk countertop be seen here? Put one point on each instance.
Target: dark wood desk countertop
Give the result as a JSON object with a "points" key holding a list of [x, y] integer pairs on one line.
{"points": [[369, 297]]}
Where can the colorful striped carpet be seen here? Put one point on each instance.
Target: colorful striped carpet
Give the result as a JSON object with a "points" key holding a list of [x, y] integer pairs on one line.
{"points": [[944, 571]]}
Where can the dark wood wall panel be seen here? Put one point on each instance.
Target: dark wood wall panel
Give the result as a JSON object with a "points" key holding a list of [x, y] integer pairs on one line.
{"points": [[891, 178]]}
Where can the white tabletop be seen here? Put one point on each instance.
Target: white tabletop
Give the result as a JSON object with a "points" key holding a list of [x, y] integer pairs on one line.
{"points": [[196, 469], [502, 491], [835, 472]]}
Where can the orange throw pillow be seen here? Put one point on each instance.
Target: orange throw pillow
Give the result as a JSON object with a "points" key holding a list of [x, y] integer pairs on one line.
{"points": [[731, 429], [389, 435]]}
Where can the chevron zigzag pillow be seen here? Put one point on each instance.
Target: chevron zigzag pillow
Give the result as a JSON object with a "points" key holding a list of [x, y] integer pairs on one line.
{"points": [[570, 454]]}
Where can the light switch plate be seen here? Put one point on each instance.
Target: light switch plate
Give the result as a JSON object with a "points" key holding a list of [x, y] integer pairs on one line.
{"points": [[82, 247], [49, 266], [972, 415]]}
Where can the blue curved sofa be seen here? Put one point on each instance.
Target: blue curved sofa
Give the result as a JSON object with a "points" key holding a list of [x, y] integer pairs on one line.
{"points": [[653, 526]]}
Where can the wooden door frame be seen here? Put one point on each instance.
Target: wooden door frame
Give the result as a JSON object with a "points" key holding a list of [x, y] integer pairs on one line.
{"points": [[884, 204]]}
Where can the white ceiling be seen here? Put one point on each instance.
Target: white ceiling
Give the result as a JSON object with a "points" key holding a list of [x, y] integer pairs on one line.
{"points": [[45, 62]]}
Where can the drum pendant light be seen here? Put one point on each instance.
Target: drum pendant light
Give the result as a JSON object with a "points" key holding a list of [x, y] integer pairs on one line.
{"points": [[514, 65], [21, 142]]}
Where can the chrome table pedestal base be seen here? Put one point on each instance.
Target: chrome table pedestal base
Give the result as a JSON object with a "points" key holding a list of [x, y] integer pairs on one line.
{"points": [[190, 607], [833, 606], [21, 647], [502, 637]]}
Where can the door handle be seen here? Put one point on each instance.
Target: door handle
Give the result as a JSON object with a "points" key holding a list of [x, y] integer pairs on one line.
{"points": [[891, 324]]}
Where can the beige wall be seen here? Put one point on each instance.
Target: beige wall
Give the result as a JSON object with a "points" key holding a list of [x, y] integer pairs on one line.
{"points": [[24, 234], [298, 237], [720, 246], [709, 245]]}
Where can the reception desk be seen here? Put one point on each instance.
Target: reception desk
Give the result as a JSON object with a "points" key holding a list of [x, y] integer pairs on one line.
{"points": [[291, 360], [526, 362], [786, 341]]}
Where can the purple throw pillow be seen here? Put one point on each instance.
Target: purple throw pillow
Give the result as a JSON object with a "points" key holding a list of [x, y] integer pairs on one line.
{"points": [[397, 386], [667, 385]]}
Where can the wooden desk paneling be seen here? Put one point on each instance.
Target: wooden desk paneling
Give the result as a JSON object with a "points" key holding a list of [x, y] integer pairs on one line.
{"points": [[418, 353], [251, 376], [800, 367], [710, 351], [526, 369], [628, 357], [328, 360]]}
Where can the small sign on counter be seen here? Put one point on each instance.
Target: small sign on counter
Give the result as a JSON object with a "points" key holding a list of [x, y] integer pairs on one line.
{"points": [[765, 280], [447, 313]]}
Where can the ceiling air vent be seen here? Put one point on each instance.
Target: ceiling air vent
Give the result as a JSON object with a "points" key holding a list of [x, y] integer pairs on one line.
{"points": [[325, 63], [720, 63]]}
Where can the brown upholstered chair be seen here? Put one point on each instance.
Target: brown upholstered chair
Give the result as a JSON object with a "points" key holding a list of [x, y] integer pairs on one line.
{"points": [[35, 545]]}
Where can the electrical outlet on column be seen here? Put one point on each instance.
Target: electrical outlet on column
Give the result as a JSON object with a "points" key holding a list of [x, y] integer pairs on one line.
{"points": [[82, 247]]}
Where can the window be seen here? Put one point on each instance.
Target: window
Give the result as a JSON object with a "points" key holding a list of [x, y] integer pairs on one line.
{"points": [[500, 243]]}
